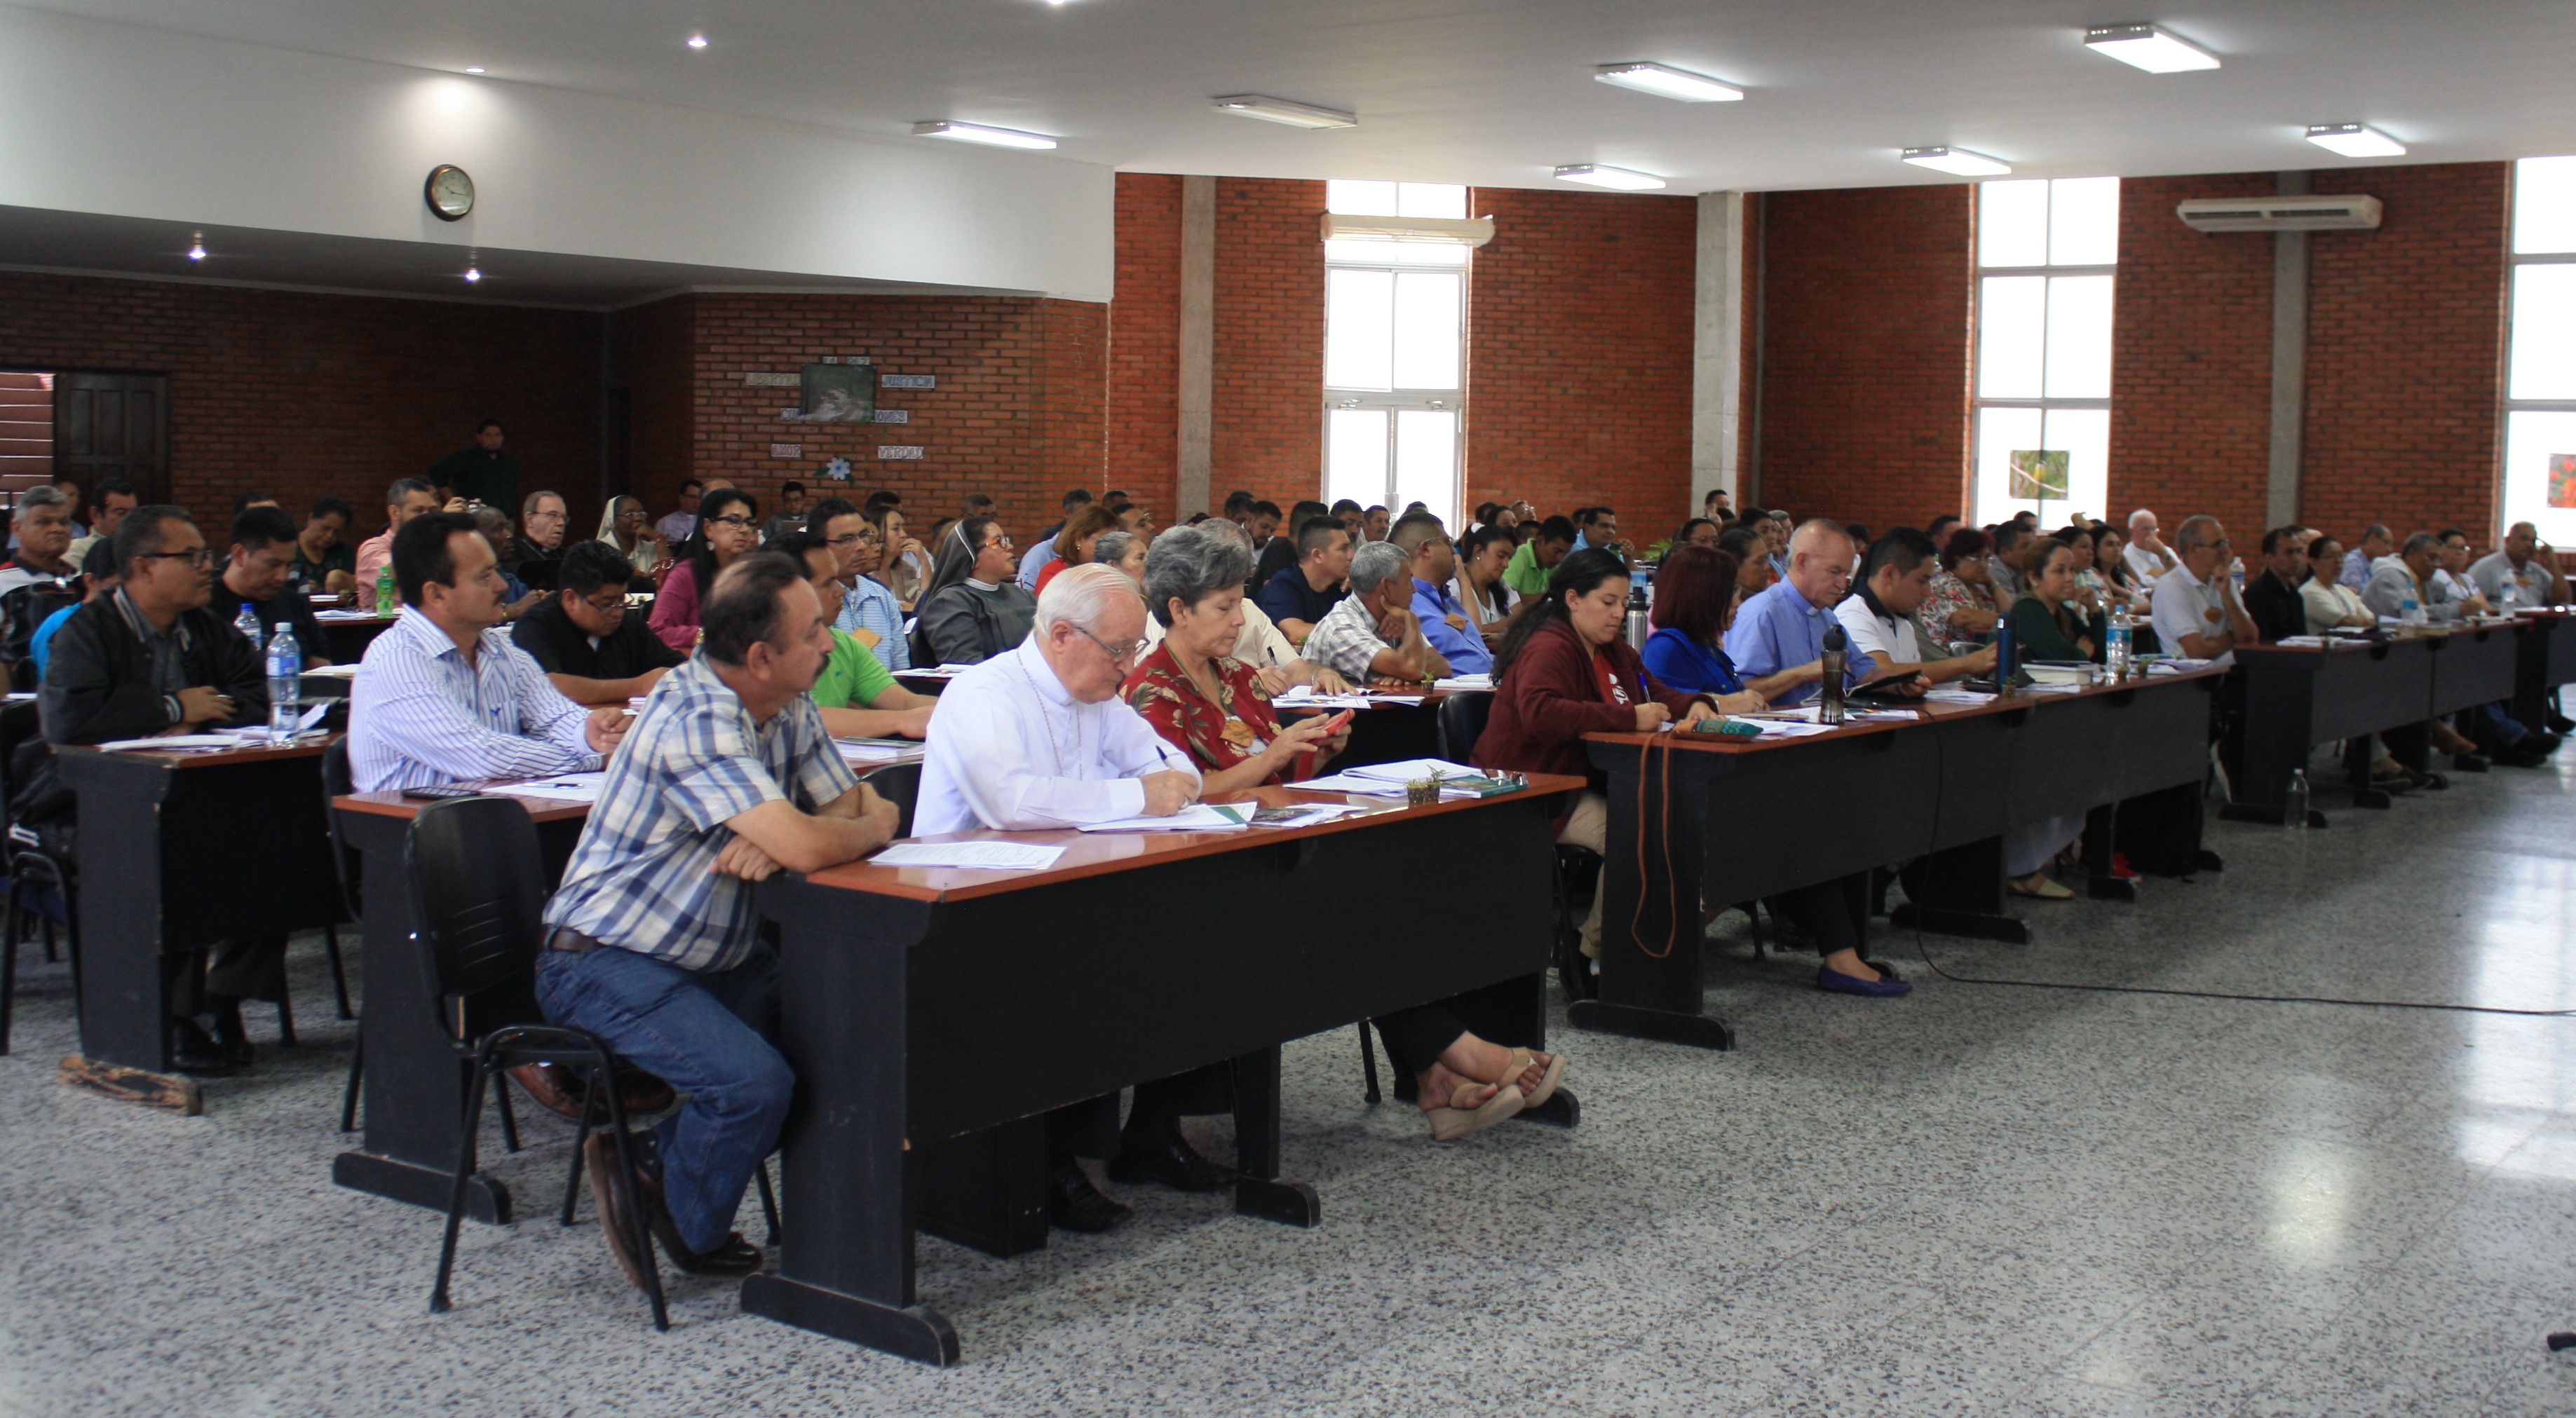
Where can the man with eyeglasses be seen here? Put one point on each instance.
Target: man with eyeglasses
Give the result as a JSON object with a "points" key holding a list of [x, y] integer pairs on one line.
{"points": [[149, 659], [1038, 737], [594, 648], [869, 612], [2196, 612], [1783, 628]]}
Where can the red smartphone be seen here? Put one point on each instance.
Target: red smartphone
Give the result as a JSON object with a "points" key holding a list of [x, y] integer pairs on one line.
{"points": [[1339, 722]]}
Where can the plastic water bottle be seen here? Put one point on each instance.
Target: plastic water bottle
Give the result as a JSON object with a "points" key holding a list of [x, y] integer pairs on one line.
{"points": [[385, 591], [285, 680], [2115, 653], [248, 624], [2410, 612], [2294, 803], [1829, 702]]}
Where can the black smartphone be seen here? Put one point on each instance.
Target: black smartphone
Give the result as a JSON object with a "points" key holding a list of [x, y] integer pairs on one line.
{"points": [[436, 793]]}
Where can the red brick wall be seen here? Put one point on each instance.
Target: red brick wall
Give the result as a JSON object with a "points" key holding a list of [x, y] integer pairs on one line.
{"points": [[1145, 341], [1580, 322], [299, 395], [2405, 353], [2191, 367], [655, 349], [1018, 413], [1865, 398], [1267, 423]]}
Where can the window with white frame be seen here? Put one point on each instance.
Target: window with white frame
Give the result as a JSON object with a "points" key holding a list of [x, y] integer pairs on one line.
{"points": [[2046, 253], [1395, 396], [2540, 363]]}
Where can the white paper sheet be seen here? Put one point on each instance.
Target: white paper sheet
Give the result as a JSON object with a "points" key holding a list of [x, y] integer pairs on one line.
{"points": [[178, 743], [1413, 770], [1197, 817], [569, 788], [973, 856]]}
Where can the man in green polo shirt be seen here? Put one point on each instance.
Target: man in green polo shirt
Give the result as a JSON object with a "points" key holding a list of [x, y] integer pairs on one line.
{"points": [[1529, 568], [482, 473], [856, 692]]}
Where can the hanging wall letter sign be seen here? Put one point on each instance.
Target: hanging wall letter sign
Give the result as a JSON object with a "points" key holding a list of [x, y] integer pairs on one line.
{"points": [[787, 450], [907, 381], [905, 452]]}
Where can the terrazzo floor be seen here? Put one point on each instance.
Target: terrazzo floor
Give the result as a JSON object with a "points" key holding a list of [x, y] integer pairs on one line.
{"points": [[1978, 1199]]}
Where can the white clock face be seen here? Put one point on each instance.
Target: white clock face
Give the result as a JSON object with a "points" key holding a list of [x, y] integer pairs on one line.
{"points": [[451, 192]]}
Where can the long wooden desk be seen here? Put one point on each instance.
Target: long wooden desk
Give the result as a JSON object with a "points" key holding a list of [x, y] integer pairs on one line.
{"points": [[177, 852], [2544, 660], [1381, 733], [345, 642], [416, 1086], [928, 1009], [1705, 818]]}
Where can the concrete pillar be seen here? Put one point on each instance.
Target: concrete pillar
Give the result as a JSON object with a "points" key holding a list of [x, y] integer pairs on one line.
{"points": [[1198, 344], [2289, 364], [1717, 350]]}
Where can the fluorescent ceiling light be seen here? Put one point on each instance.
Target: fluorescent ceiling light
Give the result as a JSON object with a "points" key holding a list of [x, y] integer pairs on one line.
{"points": [[1668, 82], [473, 68], [2147, 47], [2355, 140], [1288, 111], [978, 133], [697, 41], [1618, 179], [1956, 161], [197, 247]]}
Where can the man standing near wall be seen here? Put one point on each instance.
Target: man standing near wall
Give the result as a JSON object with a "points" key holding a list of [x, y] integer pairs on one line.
{"points": [[482, 473]]}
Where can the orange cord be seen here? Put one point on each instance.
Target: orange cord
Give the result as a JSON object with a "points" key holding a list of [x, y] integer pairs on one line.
{"points": [[1672, 887]]}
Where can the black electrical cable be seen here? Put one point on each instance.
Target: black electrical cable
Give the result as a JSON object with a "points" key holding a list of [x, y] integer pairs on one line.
{"points": [[1921, 947]]}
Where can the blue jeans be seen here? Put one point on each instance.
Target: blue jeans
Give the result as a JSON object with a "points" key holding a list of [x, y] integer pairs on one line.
{"points": [[707, 1035]]}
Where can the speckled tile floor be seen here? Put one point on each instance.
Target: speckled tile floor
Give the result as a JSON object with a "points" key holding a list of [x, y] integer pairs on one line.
{"points": [[1975, 1200]]}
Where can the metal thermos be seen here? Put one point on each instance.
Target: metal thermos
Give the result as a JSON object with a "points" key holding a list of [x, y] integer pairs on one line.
{"points": [[1639, 617], [1829, 702]]}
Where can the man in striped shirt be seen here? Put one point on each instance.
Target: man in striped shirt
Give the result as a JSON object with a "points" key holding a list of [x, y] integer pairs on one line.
{"points": [[653, 940], [444, 696]]}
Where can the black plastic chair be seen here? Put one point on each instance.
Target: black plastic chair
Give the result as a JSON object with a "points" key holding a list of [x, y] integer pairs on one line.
{"points": [[899, 784], [478, 891], [346, 866], [39, 885]]}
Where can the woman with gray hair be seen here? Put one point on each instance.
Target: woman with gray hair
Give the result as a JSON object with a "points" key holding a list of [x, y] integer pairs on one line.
{"points": [[1124, 550], [1275, 663], [1205, 703]]}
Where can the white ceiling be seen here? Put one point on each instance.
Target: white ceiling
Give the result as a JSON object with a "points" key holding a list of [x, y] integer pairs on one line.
{"points": [[1497, 93]]}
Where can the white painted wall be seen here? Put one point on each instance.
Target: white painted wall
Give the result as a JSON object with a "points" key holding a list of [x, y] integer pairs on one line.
{"points": [[129, 121]]}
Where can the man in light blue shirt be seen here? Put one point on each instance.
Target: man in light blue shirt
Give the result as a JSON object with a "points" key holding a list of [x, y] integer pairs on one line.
{"points": [[2362, 560], [1445, 623], [1783, 626], [1041, 552], [869, 606]]}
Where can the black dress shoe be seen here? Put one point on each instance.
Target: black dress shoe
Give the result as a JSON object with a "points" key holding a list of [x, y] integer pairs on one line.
{"points": [[194, 1054], [2542, 744], [2514, 758], [225, 1021], [2561, 724], [1076, 1205], [1174, 1163]]}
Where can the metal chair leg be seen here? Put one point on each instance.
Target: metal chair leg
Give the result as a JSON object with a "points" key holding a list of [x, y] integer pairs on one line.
{"points": [[339, 972], [349, 1092], [768, 1198], [51, 953], [438, 1303], [581, 1134], [1368, 1063], [509, 1116], [9, 973], [628, 1179], [285, 1018]]}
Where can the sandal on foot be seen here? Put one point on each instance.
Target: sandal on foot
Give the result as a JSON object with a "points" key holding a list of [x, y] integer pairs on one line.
{"points": [[1522, 1061], [2046, 890], [1464, 1115]]}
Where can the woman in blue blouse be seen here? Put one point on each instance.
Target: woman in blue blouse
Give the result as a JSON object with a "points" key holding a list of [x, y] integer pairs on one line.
{"points": [[1695, 595]]}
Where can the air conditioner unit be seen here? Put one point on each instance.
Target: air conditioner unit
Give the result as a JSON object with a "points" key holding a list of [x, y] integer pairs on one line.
{"points": [[1454, 231], [2280, 213]]}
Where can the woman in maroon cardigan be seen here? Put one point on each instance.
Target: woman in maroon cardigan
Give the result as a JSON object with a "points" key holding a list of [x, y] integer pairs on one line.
{"points": [[1562, 672]]}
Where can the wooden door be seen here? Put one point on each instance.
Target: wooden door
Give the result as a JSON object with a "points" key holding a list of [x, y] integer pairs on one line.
{"points": [[114, 426]]}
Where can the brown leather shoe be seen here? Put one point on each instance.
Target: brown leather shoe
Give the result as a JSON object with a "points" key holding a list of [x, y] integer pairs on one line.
{"points": [[557, 1089], [599, 1156], [731, 1256]]}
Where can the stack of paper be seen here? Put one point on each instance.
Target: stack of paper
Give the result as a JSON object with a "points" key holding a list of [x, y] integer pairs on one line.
{"points": [[1303, 696], [1953, 694], [345, 615], [971, 856], [1198, 817], [881, 750], [1466, 682], [570, 788]]}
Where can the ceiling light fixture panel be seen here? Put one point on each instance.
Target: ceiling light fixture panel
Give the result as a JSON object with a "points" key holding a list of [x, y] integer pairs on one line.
{"points": [[2149, 47], [1617, 179], [697, 41], [473, 68], [2355, 140], [981, 133], [1958, 162], [1665, 81], [1288, 111]]}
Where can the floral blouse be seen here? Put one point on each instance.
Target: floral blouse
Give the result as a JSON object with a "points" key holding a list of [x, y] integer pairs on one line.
{"points": [[1217, 736], [1949, 594]]}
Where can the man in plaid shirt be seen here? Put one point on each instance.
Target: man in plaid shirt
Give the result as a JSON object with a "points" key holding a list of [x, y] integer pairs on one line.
{"points": [[653, 942]]}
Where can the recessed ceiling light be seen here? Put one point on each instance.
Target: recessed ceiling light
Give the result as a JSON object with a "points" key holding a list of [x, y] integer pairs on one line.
{"points": [[473, 268], [978, 133], [1288, 111], [2147, 47], [1957, 161], [1668, 82], [2355, 140], [1620, 179], [473, 68], [697, 41], [196, 246]]}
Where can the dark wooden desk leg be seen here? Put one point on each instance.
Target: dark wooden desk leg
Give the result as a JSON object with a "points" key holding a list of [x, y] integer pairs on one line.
{"points": [[1960, 891], [2273, 730], [1257, 1188], [2356, 767], [124, 1004], [416, 1085], [852, 1181], [2101, 848], [1651, 987]]}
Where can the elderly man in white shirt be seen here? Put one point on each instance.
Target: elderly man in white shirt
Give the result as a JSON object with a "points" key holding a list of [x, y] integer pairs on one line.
{"points": [[1038, 737], [2148, 558], [2196, 612]]}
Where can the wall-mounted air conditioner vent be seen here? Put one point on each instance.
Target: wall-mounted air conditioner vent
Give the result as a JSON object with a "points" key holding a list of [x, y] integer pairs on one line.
{"points": [[2280, 213]]}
